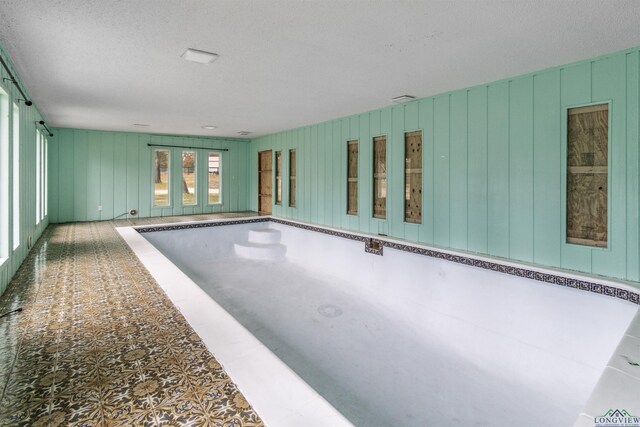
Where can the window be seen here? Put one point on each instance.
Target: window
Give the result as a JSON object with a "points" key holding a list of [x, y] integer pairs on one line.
{"points": [[161, 178], [189, 178], [413, 177], [292, 178], [380, 177], [278, 177], [214, 179], [352, 177], [38, 174], [16, 176], [587, 175], [4, 174], [43, 177]]}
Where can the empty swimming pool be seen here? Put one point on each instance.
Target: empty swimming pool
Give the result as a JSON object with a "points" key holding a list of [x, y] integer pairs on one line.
{"points": [[402, 338]]}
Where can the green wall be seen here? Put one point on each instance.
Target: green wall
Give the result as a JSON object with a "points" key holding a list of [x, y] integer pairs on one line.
{"points": [[493, 167], [91, 168], [29, 231]]}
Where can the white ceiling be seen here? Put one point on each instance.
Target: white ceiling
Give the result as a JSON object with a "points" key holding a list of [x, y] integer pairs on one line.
{"points": [[106, 64]]}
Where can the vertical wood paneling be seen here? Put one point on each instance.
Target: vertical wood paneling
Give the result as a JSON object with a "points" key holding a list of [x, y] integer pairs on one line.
{"points": [[144, 176], [608, 83], [320, 178], [66, 200], [364, 178], [494, 166], [498, 170], [521, 169], [337, 165], [441, 171], [477, 231], [328, 192], [306, 178], [107, 170], [345, 131], [80, 150], [92, 194], [458, 172], [53, 183], [425, 122], [119, 175], [575, 89], [395, 173], [547, 162], [133, 182], [633, 157], [386, 128], [354, 134], [313, 172], [113, 169]]}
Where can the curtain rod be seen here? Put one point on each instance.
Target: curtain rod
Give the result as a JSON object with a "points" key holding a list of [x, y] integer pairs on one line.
{"points": [[13, 80], [41, 122], [191, 148]]}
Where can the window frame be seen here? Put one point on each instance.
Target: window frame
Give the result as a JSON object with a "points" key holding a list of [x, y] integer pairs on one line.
{"points": [[293, 178], [153, 183], [195, 178], [373, 177], [219, 153], [5, 175], [565, 175], [355, 179], [15, 173], [44, 151], [38, 174], [278, 178], [405, 173]]}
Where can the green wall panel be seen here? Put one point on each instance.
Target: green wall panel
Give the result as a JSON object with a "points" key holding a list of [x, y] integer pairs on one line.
{"points": [[425, 122], [477, 171], [633, 157], [458, 171], [494, 167], [547, 180], [498, 170], [113, 170], [521, 170]]}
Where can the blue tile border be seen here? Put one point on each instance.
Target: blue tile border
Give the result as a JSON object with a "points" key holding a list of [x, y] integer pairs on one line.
{"points": [[170, 227], [555, 279]]}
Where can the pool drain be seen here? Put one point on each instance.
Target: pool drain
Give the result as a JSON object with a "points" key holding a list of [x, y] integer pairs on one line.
{"points": [[329, 310]]}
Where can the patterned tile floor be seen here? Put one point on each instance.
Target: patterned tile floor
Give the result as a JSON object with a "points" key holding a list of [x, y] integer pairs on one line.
{"points": [[100, 344]]}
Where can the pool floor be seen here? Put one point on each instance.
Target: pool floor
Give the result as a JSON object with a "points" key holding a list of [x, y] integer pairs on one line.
{"points": [[374, 367]]}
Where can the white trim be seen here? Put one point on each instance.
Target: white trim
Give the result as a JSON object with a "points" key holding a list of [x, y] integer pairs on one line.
{"points": [[278, 394]]}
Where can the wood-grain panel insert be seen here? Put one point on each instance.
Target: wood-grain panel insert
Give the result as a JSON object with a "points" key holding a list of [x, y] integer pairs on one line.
{"points": [[352, 177], [587, 175], [413, 177]]}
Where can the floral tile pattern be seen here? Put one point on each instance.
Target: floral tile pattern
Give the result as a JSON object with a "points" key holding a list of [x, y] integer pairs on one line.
{"points": [[99, 344]]}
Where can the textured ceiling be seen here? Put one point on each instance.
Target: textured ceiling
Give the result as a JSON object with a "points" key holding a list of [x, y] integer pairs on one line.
{"points": [[108, 64]]}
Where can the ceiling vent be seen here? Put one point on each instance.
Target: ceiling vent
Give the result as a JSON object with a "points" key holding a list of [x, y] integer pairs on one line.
{"points": [[403, 98], [199, 56]]}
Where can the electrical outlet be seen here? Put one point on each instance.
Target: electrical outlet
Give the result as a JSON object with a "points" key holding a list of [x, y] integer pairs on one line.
{"points": [[99, 208]]}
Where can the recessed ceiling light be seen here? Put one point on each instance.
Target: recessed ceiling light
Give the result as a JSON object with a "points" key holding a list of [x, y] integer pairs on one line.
{"points": [[141, 125], [210, 127], [244, 132], [403, 98], [199, 56]]}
